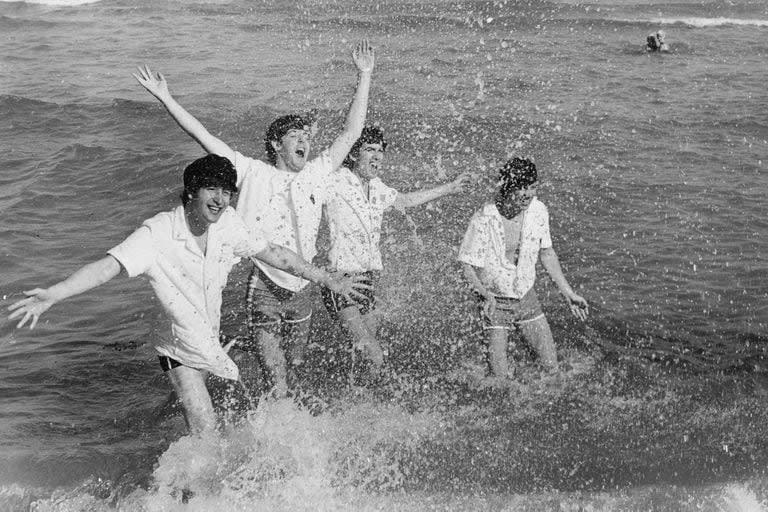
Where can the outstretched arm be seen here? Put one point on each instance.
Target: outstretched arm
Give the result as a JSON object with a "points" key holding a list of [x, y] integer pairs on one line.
{"points": [[418, 197], [158, 87], [39, 300], [363, 56], [551, 262], [287, 260]]}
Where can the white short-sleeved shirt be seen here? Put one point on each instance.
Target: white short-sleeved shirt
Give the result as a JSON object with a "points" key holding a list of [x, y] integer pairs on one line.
{"points": [[285, 206], [355, 220], [189, 283], [483, 247]]}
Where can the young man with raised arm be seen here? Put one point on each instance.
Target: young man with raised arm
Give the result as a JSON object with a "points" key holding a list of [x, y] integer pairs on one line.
{"points": [[282, 198]]}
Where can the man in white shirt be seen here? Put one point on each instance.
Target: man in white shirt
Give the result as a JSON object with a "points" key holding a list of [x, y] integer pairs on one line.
{"points": [[356, 199], [283, 199], [499, 252], [186, 254]]}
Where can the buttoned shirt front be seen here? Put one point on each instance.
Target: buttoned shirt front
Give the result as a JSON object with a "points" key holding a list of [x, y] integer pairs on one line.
{"points": [[484, 247], [188, 283], [355, 219], [285, 206]]}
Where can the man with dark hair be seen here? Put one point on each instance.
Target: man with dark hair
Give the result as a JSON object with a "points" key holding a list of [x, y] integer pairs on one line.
{"points": [[499, 252], [283, 199], [655, 42], [356, 199], [186, 254]]}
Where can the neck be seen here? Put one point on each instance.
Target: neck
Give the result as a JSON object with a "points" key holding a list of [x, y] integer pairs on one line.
{"points": [[197, 226]]}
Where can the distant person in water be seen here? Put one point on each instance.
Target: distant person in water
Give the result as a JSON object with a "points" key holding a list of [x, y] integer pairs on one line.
{"points": [[503, 242], [282, 198], [655, 42], [186, 254], [356, 199]]}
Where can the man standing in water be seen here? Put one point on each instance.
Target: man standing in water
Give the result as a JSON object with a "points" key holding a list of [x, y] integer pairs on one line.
{"points": [[186, 254], [283, 199], [499, 253], [655, 42], [355, 203]]}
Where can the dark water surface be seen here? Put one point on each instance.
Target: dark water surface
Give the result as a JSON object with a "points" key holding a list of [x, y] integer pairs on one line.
{"points": [[652, 169]]}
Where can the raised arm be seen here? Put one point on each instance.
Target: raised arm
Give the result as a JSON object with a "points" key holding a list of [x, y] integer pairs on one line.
{"points": [[158, 87], [363, 56], [287, 260], [39, 300], [418, 197], [551, 262]]}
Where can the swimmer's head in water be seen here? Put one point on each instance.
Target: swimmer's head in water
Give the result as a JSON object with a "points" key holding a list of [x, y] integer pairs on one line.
{"points": [[370, 135], [279, 128], [518, 179], [660, 36], [208, 171]]}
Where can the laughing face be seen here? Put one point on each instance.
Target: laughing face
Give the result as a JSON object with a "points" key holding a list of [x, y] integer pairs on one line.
{"points": [[206, 206], [293, 150], [369, 160]]}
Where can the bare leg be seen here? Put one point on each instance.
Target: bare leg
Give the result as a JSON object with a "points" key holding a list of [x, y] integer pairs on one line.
{"points": [[363, 338], [274, 360], [539, 336], [497, 352], [296, 345], [189, 385]]}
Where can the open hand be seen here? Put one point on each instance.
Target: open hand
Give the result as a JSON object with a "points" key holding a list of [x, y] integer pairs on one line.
{"points": [[349, 286], [579, 306], [37, 302], [155, 84], [364, 57], [461, 184]]}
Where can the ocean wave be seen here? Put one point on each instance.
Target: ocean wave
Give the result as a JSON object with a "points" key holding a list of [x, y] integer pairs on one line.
{"points": [[701, 22]]}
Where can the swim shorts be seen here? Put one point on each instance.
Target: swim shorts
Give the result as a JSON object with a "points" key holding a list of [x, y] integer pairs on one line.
{"points": [[335, 302], [272, 307], [510, 313]]}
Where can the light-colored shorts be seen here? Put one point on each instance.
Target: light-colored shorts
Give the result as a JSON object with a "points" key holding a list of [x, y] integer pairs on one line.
{"points": [[511, 313]]}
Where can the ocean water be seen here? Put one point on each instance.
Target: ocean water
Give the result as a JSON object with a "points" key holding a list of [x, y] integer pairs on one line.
{"points": [[653, 170]]}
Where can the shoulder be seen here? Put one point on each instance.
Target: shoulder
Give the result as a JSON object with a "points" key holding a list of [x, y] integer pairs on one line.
{"points": [[163, 221], [538, 207], [246, 164]]}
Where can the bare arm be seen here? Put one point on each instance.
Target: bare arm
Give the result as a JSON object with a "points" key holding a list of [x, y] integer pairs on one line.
{"points": [[364, 59], [489, 304], [287, 260], [158, 87], [39, 300], [551, 262], [410, 199]]}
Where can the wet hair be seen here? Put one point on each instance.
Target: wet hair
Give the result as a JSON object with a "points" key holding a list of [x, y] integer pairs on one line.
{"points": [[278, 129], [370, 135], [208, 171], [517, 174]]}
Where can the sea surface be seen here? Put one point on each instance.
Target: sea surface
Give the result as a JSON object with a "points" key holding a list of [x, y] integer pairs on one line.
{"points": [[653, 168]]}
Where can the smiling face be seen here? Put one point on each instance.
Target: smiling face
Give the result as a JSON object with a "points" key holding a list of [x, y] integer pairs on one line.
{"points": [[292, 150], [369, 160], [206, 206]]}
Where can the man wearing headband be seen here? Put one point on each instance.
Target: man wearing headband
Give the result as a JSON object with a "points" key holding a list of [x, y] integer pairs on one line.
{"points": [[186, 254], [499, 252], [355, 205], [282, 198]]}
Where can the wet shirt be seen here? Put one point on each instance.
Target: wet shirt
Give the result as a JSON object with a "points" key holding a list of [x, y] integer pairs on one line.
{"points": [[484, 247], [285, 206], [188, 283], [354, 221]]}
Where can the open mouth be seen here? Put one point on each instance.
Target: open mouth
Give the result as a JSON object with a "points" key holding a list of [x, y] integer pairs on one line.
{"points": [[300, 152]]}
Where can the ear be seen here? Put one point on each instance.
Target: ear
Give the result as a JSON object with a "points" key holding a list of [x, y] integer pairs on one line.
{"points": [[276, 145]]}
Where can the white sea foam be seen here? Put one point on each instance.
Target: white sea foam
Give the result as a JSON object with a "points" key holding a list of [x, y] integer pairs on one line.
{"points": [[702, 22]]}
